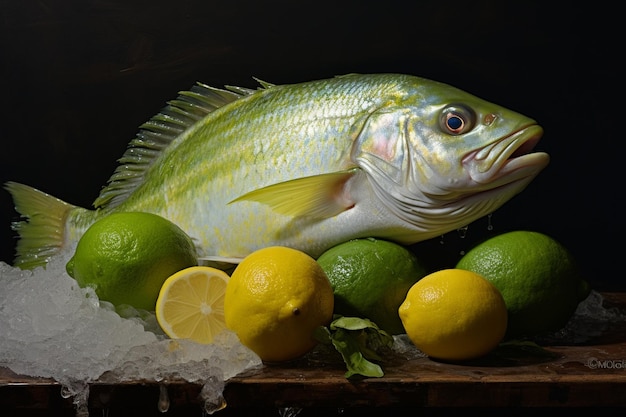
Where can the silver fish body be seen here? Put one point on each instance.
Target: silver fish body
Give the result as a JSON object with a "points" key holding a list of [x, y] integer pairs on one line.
{"points": [[314, 164]]}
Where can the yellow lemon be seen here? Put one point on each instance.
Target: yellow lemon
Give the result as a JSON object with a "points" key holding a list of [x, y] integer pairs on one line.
{"points": [[537, 276], [191, 304], [370, 279], [126, 257], [454, 315], [275, 299]]}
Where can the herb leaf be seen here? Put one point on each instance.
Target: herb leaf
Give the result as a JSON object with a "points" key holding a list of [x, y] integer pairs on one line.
{"points": [[358, 341]]}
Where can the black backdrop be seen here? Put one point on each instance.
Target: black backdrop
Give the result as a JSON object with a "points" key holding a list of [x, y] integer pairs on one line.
{"points": [[78, 78]]}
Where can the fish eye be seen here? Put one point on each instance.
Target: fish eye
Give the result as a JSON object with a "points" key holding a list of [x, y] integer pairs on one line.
{"points": [[457, 119]]}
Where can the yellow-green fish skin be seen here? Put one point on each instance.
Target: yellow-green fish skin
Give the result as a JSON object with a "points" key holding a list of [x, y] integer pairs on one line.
{"points": [[314, 164]]}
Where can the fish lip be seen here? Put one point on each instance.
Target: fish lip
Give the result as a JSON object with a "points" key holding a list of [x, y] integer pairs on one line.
{"points": [[515, 168], [508, 159]]}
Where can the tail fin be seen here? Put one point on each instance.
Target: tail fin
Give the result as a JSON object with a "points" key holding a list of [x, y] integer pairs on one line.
{"points": [[42, 233]]}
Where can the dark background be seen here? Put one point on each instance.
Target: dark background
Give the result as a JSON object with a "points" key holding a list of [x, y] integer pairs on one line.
{"points": [[78, 78]]}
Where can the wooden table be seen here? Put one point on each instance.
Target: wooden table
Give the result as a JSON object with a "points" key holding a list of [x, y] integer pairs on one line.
{"points": [[589, 374]]}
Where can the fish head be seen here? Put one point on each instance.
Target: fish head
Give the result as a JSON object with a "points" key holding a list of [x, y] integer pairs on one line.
{"points": [[443, 158]]}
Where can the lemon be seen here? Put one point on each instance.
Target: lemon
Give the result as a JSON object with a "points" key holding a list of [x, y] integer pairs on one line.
{"points": [[370, 279], [275, 299], [537, 276], [454, 315], [127, 256], [191, 304]]}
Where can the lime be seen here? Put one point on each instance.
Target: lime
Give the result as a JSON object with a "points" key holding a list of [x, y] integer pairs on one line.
{"points": [[126, 257], [370, 279], [454, 315], [191, 304], [275, 299], [537, 276]]}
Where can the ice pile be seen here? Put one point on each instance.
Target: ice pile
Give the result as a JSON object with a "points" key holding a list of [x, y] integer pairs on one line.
{"points": [[592, 319], [50, 327]]}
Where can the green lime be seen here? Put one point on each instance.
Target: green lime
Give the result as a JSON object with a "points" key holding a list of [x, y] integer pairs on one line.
{"points": [[537, 276], [126, 257], [370, 279]]}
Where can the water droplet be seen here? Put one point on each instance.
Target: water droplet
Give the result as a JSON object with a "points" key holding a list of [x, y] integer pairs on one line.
{"points": [[489, 225], [213, 406], [81, 410], [79, 392], [104, 397], [81, 401], [164, 399], [441, 240], [289, 411], [461, 252], [462, 231], [211, 393], [66, 392]]}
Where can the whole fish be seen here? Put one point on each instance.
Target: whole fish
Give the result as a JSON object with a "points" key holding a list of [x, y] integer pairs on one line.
{"points": [[307, 165]]}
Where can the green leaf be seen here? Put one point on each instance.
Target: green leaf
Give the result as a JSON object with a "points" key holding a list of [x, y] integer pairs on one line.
{"points": [[349, 348], [352, 323], [358, 341]]}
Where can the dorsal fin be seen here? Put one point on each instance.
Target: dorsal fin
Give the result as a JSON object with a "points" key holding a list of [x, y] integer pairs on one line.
{"points": [[157, 134], [264, 84]]}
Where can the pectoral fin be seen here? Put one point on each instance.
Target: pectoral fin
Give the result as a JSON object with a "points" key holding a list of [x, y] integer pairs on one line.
{"points": [[317, 196]]}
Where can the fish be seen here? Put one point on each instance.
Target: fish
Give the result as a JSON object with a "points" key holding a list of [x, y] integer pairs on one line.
{"points": [[307, 165]]}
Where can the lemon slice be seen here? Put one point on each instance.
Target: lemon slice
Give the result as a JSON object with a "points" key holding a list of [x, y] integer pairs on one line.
{"points": [[191, 304]]}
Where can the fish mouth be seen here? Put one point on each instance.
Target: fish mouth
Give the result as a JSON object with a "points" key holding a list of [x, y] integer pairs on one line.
{"points": [[508, 159]]}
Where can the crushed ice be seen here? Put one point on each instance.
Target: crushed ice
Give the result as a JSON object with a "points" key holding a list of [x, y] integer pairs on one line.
{"points": [[591, 319], [51, 327]]}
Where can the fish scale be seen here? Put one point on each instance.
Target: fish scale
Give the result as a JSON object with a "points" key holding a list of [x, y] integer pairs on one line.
{"points": [[307, 165]]}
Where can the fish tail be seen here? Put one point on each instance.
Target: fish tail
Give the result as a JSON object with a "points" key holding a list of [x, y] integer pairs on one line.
{"points": [[42, 233]]}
